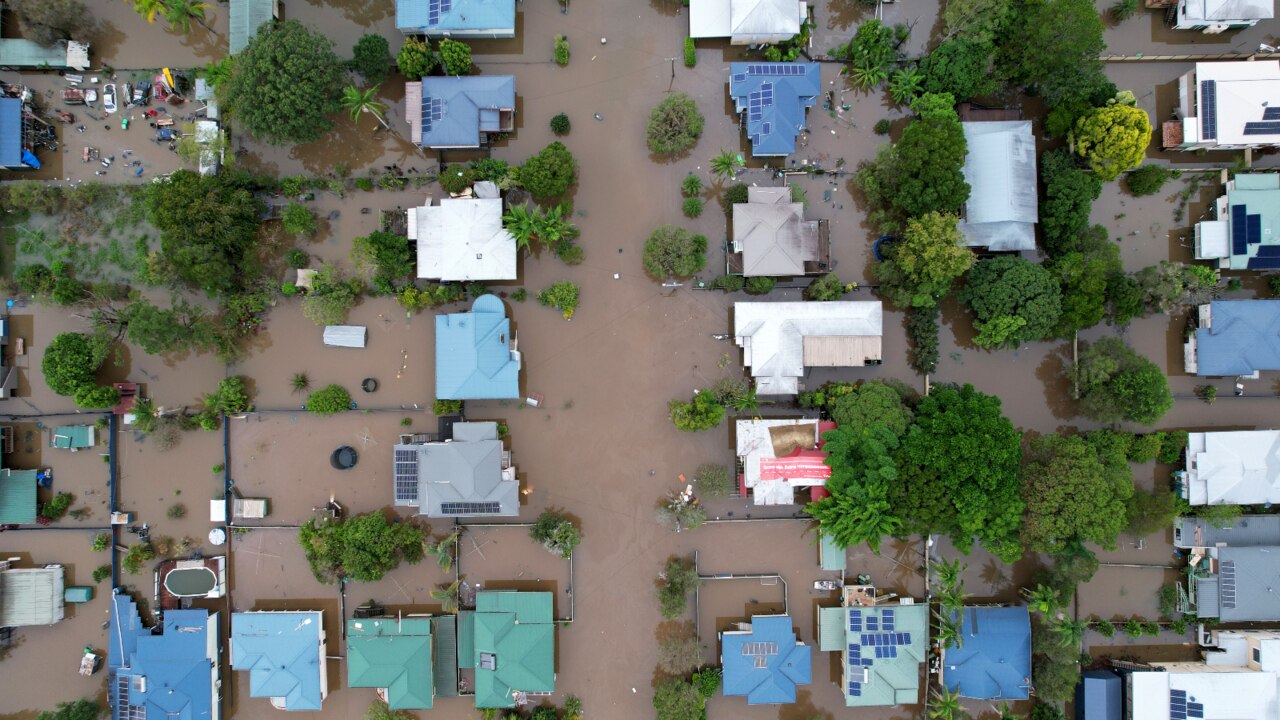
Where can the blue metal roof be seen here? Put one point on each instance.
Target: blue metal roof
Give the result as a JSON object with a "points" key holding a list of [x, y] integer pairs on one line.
{"points": [[473, 354], [10, 132], [281, 651], [1244, 337], [765, 664], [455, 109], [491, 18], [993, 661], [175, 664], [1099, 696], [773, 97]]}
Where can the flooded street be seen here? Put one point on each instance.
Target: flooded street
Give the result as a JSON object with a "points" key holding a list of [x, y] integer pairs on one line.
{"points": [[601, 448]]}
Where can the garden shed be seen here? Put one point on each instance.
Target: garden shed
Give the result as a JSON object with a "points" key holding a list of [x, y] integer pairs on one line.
{"points": [[350, 336]]}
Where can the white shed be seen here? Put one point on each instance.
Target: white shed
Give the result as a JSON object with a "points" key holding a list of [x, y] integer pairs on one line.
{"points": [[352, 336]]}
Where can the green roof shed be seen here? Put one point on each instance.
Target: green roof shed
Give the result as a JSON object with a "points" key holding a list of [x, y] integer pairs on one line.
{"points": [[73, 437], [17, 496]]}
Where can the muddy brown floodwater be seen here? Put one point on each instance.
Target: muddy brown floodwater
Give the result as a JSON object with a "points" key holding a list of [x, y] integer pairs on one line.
{"points": [[601, 448]]}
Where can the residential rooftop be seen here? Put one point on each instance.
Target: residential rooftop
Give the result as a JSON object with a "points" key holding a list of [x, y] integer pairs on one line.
{"points": [[747, 22], [1236, 338], [766, 662], [393, 654], [510, 641], [459, 112], [1246, 233], [476, 356], [457, 18], [463, 240], [284, 654], [993, 659], [883, 648], [780, 339], [468, 475], [772, 238], [773, 99], [1000, 167], [1232, 467], [172, 674]]}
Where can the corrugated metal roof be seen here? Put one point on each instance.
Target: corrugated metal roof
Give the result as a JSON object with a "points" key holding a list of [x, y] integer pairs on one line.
{"points": [[994, 660], [517, 631], [767, 663], [1247, 531], [395, 654], [771, 335], [1100, 696], [246, 17], [746, 21], [463, 240], [1244, 337], [774, 98], [467, 469], [19, 53], [17, 496], [75, 437], [1000, 168], [281, 651], [774, 237], [10, 130], [885, 678], [1246, 584], [460, 101], [474, 360], [445, 632], [459, 18], [466, 639], [175, 663], [831, 555], [31, 596]]}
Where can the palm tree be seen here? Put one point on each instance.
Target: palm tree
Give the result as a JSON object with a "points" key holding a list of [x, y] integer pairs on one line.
{"points": [[180, 13], [948, 572], [1043, 599], [1070, 632], [905, 85], [148, 8], [523, 224], [946, 706], [442, 551], [949, 629], [364, 101], [554, 229], [951, 597], [726, 164], [217, 72], [448, 596]]}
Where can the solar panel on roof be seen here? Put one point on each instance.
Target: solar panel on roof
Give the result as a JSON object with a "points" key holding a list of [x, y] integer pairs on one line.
{"points": [[1262, 128], [406, 475], [1239, 231], [1269, 251], [1271, 113], [470, 508], [1264, 263], [1227, 582], [1253, 232], [1177, 705], [1208, 109]]}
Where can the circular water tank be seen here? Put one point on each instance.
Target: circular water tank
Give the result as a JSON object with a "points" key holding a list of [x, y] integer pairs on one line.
{"points": [[344, 458]]}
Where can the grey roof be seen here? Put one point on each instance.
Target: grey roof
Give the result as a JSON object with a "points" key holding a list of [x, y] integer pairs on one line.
{"points": [[246, 17], [31, 596], [746, 21], [1227, 10], [1248, 585], [1242, 337], [1248, 531], [1000, 168], [772, 233], [467, 469], [1099, 696], [465, 105], [773, 337]]}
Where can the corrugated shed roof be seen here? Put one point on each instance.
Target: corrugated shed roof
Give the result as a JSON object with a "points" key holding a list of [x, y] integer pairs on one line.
{"points": [[460, 101], [463, 240], [766, 663], [1099, 696], [246, 17], [10, 130], [774, 98], [831, 629], [459, 18], [31, 596], [20, 53], [17, 496], [466, 639], [830, 555], [281, 651], [474, 360], [395, 654], [73, 437], [444, 630], [1244, 337], [1000, 168], [515, 630], [994, 660]]}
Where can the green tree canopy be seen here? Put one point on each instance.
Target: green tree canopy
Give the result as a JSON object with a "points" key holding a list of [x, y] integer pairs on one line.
{"points": [[549, 173], [415, 59], [1051, 46], [960, 66], [329, 400], [455, 57], [361, 548], [678, 699], [703, 413], [1113, 139], [387, 257], [1069, 193], [1085, 274], [873, 403], [924, 263], [675, 125], [674, 251], [976, 20], [285, 83], [48, 21], [71, 361], [371, 57], [331, 296], [1073, 491], [82, 709], [1117, 384], [862, 470], [208, 227], [1010, 287], [1168, 285], [958, 472]]}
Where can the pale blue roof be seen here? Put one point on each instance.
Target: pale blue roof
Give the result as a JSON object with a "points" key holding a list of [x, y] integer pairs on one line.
{"points": [[473, 354], [281, 651], [766, 664], [1253, 221], [465, 18], [10, 132], [1244, 336], [773, 97], [455, 109], [246, 17], [176, 663], [993, 661]]}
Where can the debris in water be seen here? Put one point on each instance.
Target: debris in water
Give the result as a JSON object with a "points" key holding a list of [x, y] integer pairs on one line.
{"points": [[598, 116]]}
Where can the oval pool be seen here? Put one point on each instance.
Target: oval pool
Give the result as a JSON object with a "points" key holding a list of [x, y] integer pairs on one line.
{"points": [[190, 582]]}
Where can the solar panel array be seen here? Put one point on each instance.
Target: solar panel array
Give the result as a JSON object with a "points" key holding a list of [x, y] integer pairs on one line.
{"points": [[1264, 263], [1265, 127], [1227, 583], [432, 112], [406, 474], [1271, 113], [1181, 708], [436, 8], [470, 508], [876, 637], [776, 69], [760, 652], [758, 100], [1239, 229], [1208, 109]]}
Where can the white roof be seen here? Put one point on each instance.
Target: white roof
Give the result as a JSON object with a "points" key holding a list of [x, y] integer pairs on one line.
{"points": [[1243, 91], [753, 444], [1211, 240], [352, 336], [772, 336], [745, 19], [1226, 11], [1234, 650], [1224, 695], [1000, 168], [462, 239], [1240, 467]]}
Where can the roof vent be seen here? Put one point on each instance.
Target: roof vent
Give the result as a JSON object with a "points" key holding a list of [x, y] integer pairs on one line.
{"points": [[488, 661]]}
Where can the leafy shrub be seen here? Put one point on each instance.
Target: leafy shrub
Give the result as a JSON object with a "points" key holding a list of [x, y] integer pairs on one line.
{"points": [[35, 279], [68, 291], [298, 220], [102, 572], [691, 185], [560, 124], [135, 556], [882, 126], [361, 548], [674, 125], [703, 413], [692, 207], [922, 328], [71, 361], [707, 682], [690, 53], [1148, 179], [370, 57], [760, 285], [101, 541], [1145, 448], [561, 52], [331, 297], [735, 194], [827, 287], [520, 295], [364, 183], [729, 283], [674, 251], [176, 511], [455, 57], [679, 579], [329, 400], [96, 397], [549, 173], [297, 258], [415, 59], [713, 481], [556, 533], [455, 178], [446, 407], [562, 296]]}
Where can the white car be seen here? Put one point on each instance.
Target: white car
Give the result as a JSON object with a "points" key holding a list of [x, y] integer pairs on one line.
{"points": [[109, 97]]}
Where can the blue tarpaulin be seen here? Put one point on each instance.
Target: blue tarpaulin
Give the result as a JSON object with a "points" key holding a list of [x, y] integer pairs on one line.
{"points": [[30, 159]]}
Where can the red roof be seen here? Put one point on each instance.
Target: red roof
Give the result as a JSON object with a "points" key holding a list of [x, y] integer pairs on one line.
{"points": [[801, 464]]}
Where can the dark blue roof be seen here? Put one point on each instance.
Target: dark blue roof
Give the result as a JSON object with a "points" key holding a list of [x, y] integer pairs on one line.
{"points": [[175, 664], [455, 109], [10, 132], [993, 661], [1099, 696], [1244, 336], [773, 97], [765, 664]]}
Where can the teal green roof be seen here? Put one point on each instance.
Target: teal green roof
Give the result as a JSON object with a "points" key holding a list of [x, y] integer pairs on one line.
{"points": [[515, 636], [876, 675], [466, 639], [17, 496], [246, 17], [830, 554], [73, 437], [444, 630], [394, 654]]}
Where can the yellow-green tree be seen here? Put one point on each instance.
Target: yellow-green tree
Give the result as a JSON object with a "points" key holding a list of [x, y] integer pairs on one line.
{"points": [[1113, 139], [923, 265]]}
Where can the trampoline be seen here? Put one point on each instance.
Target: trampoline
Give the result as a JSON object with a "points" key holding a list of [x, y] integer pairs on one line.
{"points": [[344, 458]]}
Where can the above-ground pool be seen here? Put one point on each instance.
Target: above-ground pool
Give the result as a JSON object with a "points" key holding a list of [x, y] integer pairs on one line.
{"points": [[190, 582]]}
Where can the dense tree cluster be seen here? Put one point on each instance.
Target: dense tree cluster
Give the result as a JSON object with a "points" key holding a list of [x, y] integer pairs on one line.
{"points": [[1117, 384], [361, 548], [1012, 300]]}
